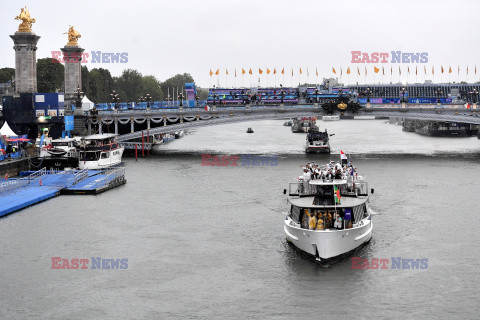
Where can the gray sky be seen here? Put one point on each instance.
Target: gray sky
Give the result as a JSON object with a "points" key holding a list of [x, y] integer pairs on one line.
{"points": [[163, 38]]}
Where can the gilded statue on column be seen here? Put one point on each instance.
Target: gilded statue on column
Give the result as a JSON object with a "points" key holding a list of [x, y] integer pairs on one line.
{"points": [[27, 21], [73, 36]]}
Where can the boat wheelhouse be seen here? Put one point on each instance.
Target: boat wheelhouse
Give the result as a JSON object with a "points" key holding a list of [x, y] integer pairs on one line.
{"points": [[329, 217], [100, 151]]}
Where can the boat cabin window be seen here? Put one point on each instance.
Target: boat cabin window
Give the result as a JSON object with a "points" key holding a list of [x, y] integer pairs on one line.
{"points": [[105, 155], [89, 156], [362, 188], [60, 144], [295, 213]]}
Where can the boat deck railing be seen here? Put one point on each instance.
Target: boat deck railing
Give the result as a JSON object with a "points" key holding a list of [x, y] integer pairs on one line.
{"points": [[10, 185], [111, 175], [77, 177]]}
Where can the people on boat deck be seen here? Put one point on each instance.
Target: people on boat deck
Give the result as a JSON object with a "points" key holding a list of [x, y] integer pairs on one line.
{"points": [[338, 221], [320, 220], [331, 171], [312, 223]]}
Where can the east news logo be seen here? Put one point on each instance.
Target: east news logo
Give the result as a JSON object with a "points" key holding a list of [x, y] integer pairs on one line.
{"points": [[96, 263]]}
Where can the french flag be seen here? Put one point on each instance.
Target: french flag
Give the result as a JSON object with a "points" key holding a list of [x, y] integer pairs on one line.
{"points": [[343, 157], [207, 108]]}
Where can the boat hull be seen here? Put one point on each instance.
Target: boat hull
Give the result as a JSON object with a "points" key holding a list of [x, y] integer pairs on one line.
{"points": [[317, 149], [328, 244], [115, 158]]}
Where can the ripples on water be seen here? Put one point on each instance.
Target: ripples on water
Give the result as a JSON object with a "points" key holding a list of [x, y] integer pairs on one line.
{"points": [[208, 242]]}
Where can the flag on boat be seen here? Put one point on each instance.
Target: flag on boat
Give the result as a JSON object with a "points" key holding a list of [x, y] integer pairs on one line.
{"points": [[468, 105], [337, 194], [343, 157], [207, 108]]}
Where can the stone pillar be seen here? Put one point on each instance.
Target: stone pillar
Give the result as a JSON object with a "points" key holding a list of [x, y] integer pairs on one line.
{"points": [[132, 128], [100, 127], [148, 123], [164, 121], [25, 46], [73, 71], [116, 126], [181, 118]]}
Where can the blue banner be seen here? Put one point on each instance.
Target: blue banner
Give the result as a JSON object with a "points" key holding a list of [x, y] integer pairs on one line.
{"points": [[69, 123], [348, 214]]}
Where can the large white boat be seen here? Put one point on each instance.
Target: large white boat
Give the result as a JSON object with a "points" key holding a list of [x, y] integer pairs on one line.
{"points": [[328, 215], [100, 151], [64, 147]]}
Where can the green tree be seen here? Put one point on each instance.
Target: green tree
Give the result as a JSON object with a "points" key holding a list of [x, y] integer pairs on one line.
{"points": [[177, 81], [151, 86], [6, 74], [85, 75], [50, 75], [131, 83]]}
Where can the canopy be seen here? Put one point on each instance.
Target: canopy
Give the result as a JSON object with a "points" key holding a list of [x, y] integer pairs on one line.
{"points": [[87, 104], [7, 131], [18, 140]]}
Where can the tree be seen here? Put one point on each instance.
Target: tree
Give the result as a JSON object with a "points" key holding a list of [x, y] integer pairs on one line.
{"points": [[50, 75], [177, 81], [6, 74], [131, 83], [85, 75], [99, 85], [151, 86]]}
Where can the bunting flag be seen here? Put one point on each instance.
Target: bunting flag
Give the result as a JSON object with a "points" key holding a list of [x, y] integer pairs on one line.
{"points": [[348, 70], [260, 71], [425, 69], [449, 69], [441, 69], [433, 70], [211, 72], [408, 69], [336, 191], [383, 70], [391, 70], [226, 71], [300, 70], [250, 71], [243, 71], [334, 71], [283, 70], [274, 70], [316, 71], [218, 72], [358, 70], [268, 71], [341, 71], [399, 70], [376, 69]]}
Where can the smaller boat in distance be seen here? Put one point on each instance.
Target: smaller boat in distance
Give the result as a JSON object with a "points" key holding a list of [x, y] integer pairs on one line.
{"points": [[317, 142], [249, 130], [331, 118], [288, 123]]}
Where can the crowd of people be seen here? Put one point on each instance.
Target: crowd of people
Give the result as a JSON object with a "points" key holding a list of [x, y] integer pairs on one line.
{"points": [[317, 220], [332, 170]]}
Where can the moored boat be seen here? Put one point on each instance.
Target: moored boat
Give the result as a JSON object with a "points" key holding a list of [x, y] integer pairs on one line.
{"points": [[328, 215], [100, 151]]}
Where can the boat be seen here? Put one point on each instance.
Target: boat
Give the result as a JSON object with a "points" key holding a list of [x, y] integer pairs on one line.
{"points": [[297, 126], [249, 130], [339, 198], [100, 151], [331, 118], [178, 134], [57, 153], [288, 123], [317, 142]]}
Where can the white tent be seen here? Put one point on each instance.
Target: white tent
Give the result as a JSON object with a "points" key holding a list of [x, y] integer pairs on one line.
{"points": [[7, 131], [87, 105]]}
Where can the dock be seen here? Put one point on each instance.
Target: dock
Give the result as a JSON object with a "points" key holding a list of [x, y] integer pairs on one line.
{"points": [[34, 187]]}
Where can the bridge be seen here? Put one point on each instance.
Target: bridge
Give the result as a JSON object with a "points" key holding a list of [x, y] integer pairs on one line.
{"points": [[170, 120]]}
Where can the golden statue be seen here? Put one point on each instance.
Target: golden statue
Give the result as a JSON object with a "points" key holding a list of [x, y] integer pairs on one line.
{"points": [[342, 106], [26, 25], [73, 36]]}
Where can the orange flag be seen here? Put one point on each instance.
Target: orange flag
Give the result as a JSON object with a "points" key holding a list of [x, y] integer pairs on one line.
{"points": [[283, 70], [226, 71], [316, 71], [416, 70], [408, 69], [391, 70], [274, 70], [441, 68], [268, 71], [383, 70], [376, 69], [450, 69], [300, 70], [333, 69], [348, 70], [218, 72], [235, 73], [467, 69], [358, 70], [243, 71], [425, 69], [399, 70], [260, 71], [211, 72], [475, 69], [250, 71]]}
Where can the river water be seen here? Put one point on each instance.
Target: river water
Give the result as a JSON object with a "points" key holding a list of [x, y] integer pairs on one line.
{"points": [[208, 242]]}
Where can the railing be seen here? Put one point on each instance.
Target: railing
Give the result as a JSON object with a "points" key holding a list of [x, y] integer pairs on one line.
{"points": [[36, 175], [77, 177], [9, 185], [111, 176]]}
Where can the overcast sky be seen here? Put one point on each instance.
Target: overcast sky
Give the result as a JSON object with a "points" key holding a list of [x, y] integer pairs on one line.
{"points": [[163, 38]]}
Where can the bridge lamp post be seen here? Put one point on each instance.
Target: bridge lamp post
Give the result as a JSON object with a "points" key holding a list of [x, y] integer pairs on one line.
{"points": [[147, 98], [474, 94], [282, 94], [316, 96], [180, 98], [214, 95], [115, 99], [168, 99], [197, 99], [403, 92]]}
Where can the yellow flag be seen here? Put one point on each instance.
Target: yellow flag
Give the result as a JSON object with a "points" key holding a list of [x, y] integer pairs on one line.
{"points": [[211, 72], [268, 71], [218, 72], [348, 70], [376, 69]]}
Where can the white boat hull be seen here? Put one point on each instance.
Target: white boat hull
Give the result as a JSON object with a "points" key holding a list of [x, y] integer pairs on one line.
{"points": [[328, 244], [114, 158]]}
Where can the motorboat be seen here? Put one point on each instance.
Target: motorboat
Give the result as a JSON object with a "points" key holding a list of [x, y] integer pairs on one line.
{"points": [[328, 214], [100, 151], [317, 142], [249, 130]]}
